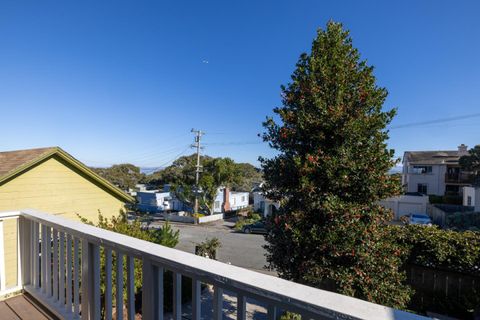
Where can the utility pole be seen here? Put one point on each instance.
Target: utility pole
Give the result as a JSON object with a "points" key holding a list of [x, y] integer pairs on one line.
{"points": [[198, 167]]}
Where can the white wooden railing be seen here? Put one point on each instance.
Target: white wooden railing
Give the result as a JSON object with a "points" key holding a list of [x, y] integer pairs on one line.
{"points": [[60, 265]]}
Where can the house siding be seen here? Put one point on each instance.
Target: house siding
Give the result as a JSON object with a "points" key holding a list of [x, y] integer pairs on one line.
{"points": [[51, 186], [435, 180]]}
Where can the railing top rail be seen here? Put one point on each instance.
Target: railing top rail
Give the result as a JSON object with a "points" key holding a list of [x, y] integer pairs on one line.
{"points": [[293, 296]]}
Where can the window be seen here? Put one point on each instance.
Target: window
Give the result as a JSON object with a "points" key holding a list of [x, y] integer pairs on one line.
{"points": [[422, 169], [422, 188], [217, 204], [469, 201], [243, 198]]}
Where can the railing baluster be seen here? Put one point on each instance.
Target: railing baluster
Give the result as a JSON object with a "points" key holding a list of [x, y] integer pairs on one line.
{"points": [[43, 261], [48, 262], [55, 264], [119, 285], [36, 256], [90, 281], [177, 296], [76, 278], [148, 294], [61, 262], [217, 303], [69, 270], [158, 280], [94, 270], [196, 299], [130, 288], [108, 283], [85, 282], [272, 312], [241, 307], [152, 291], [25, 266]]}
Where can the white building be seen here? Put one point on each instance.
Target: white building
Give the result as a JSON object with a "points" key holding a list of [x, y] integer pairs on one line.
{"points": [[227, 200], [435, 172], [153, 201], [405, 204], [264, 205], [471, 197]]}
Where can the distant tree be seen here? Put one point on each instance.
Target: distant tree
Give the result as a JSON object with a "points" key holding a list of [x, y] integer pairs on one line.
{"points": [[330, 172], [219, 172], [471, 162], [216, 172], [122, 175], [249, 176]]}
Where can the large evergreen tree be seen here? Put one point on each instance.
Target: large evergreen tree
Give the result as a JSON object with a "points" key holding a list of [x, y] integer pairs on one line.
{"points": [[330, 171]]}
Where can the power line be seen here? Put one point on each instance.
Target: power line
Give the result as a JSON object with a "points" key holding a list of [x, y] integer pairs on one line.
{"points": [[160, 156], [440, 120], [163, 165], [236, 143]]}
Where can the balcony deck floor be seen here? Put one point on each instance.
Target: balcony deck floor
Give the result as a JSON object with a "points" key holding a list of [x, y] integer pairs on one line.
{"points": [[23, 307]]}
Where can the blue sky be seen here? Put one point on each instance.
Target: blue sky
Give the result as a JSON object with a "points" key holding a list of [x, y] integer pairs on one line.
{"points": [[125, 81]]}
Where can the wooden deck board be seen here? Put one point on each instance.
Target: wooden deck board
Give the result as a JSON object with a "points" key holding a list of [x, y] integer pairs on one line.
{"points": [[23, 307], [7, 313]]}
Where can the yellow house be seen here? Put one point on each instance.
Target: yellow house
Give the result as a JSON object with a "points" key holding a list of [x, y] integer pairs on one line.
{"points": [[49, 180]]}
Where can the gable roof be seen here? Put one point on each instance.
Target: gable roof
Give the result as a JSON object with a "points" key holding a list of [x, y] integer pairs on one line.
{"points": [[13, 163], [433, 157]]}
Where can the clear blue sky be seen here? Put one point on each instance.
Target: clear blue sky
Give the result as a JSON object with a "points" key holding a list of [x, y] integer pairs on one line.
{"points": [[125, 81]]}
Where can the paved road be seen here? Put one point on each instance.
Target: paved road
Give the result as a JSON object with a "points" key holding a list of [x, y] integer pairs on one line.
{"points": [[243, 250]]}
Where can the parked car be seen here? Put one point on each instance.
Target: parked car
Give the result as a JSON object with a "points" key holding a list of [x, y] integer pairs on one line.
{"points": [[419, 218], [257, 227]]}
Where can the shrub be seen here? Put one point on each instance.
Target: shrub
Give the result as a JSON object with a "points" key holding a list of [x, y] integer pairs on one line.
{"points": [[447, 199], [290, 316], [440, 249], [254, 217], [463, 221], [450, 252], [208, 248], [164, 236], [198, 215]]}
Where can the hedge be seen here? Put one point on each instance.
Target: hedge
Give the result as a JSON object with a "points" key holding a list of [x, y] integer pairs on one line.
{"points": [[447, 250]]}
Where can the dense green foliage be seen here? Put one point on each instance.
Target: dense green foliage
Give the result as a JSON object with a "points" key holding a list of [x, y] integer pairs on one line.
{"points": [[248, 176], [208, 248], [456, 254], [122, 175], [471, 162], [252, 217], [331, 169], [164, 236], [462, 221], [440, 249], [216, 172], [445, 199]]}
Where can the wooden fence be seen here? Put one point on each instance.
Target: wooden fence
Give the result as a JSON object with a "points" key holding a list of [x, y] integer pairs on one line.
{"points": [[446, 292]]}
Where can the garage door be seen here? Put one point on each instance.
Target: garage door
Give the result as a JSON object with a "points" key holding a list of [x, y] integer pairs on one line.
{"points": [[407, 208]]}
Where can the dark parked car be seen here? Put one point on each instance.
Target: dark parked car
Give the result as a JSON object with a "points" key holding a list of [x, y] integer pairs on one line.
{"points": [[257, 227]]}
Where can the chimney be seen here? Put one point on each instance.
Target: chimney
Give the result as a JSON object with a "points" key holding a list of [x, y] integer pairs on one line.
{"points": [[226, 200], [462, 149]]}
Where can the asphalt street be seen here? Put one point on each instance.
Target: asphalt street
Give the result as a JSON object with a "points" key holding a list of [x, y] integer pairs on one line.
{"points": [[239, 249]]}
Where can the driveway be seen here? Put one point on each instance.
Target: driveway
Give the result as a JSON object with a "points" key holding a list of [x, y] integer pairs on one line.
{"points": [[239, 249]]}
